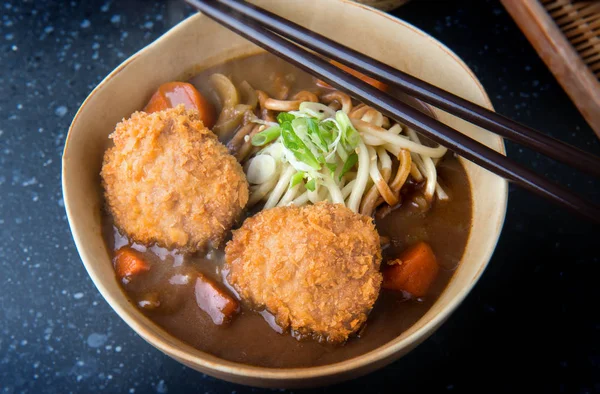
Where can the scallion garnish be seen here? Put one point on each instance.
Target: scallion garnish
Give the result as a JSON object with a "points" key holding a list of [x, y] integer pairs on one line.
{"points": [[350, 162], [310, 139], [293, 143], [332, 167], [314, 132], [285, 117], [326, 129], [296, 178], [350, 136], [266, 136]]}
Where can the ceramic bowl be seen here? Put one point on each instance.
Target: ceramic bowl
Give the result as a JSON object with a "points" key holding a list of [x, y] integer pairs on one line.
{"points": [[384, 5], [197, 43]]}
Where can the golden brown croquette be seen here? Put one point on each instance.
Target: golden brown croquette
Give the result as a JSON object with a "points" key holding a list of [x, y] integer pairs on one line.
{"points": [[168, 180], [315, 268]]}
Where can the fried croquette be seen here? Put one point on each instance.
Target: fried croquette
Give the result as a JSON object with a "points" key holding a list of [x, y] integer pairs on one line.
{"points": [[315, 268], [168, 180]]}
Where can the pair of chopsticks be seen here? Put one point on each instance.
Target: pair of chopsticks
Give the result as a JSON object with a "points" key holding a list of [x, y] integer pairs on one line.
{"points": [[268, 31]]}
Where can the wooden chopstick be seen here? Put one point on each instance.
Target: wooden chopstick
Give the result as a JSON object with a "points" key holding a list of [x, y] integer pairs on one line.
{"points": [[395, 109], [422, 90]]}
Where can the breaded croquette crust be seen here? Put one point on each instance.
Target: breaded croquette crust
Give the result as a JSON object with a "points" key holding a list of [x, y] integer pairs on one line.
{"points": [[315, 268], [168, 180]]}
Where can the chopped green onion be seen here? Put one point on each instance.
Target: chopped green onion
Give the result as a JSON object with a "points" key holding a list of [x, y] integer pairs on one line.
{"points": [[266, 136], [327, 131], [285, 117], [293, 143], [349, 134], [296, 178], [309, 142], [314, 132], [332, 167], [327, 126], [352, 137], [342, 152], [300, 127], [352, 160]]}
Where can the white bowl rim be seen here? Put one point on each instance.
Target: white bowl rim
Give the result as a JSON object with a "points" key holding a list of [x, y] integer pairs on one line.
{"points": [[227, 367]]}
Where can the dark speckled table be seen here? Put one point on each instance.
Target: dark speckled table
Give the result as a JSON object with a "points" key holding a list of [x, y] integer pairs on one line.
{"points": [[532, 321]]}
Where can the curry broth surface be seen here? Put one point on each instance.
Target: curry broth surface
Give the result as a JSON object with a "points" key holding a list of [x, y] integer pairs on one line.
{"points": [[249, 338]]}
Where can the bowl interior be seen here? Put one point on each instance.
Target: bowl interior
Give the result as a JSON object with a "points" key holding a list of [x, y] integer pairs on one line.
{"points": [[198, 43]]}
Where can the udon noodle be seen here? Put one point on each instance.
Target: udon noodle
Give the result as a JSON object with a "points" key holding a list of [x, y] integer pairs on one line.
{"points": [[317, 146]]}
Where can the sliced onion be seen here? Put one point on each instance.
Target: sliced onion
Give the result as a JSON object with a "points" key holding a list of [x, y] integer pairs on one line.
{"points": [[228, 94], [229, 120], [249, 94], [318, 110]]}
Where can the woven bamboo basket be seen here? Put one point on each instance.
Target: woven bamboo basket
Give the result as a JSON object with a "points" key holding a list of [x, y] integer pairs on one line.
{"points": [[566, 35]]}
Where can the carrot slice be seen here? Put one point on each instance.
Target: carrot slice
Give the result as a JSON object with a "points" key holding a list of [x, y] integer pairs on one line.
{"points": [[171, 94], [219, 305], [373, 82], [129, 263], [414, 271]]}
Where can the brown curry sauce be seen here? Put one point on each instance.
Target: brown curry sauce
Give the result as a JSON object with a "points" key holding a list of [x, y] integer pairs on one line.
{"points": [[252, 336]]}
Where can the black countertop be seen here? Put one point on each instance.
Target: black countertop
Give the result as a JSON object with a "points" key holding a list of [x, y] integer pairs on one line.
{"points": [[532, 321]]}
